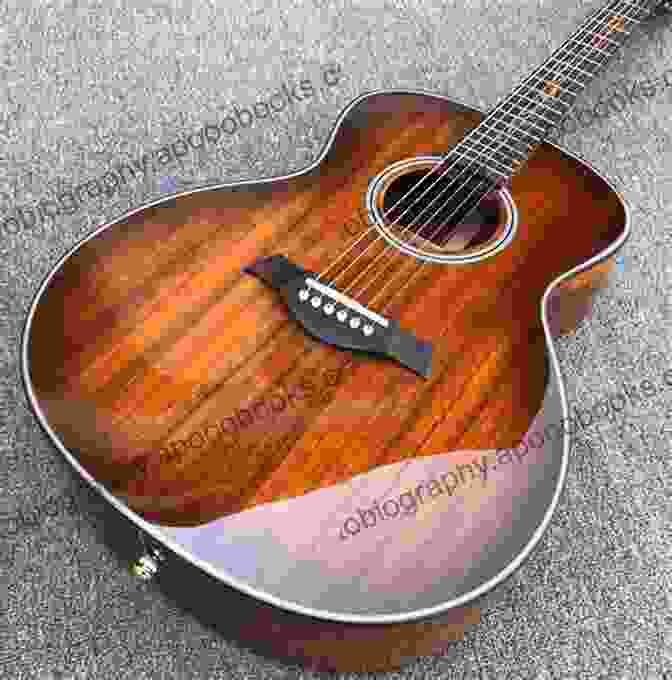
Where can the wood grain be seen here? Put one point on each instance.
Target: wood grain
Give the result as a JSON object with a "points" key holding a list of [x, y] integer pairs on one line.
{"points": [[181, 383]]}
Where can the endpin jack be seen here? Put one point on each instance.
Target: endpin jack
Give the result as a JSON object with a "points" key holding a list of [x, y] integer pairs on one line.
{"points": [[146, 567]]}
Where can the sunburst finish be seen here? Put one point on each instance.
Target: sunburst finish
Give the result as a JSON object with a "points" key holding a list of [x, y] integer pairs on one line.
{"points": [[181, 383]]}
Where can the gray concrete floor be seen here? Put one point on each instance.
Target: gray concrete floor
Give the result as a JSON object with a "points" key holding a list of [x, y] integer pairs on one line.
{"points": [[87, 85]]}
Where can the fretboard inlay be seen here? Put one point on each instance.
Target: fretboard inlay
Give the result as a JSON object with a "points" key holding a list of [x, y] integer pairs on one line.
{"points": [[515, 128]]}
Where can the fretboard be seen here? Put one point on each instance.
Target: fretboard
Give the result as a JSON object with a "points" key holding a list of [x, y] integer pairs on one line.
{"points": [[513, 130]]}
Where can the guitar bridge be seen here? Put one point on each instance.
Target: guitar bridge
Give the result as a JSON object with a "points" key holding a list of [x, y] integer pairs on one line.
{"points": [[338, 320]]}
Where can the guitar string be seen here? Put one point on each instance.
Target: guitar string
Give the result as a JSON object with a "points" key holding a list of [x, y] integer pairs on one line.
{"points": [[558, 77], [480, 129], [414, 275], [422, 265], [477, 130], [390, 250], [420, 268]]}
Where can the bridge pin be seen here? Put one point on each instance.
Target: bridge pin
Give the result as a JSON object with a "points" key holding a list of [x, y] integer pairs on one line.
{"points": [[303, 295], [316, 301], [329, 308], [355, 322], [342, 315], [368, 329]]}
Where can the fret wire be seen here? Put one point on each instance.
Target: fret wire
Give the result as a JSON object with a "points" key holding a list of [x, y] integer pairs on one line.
{"points": [[504, 136], [563, 91], [466, 151], [513, 154], [506, 164], [497, 172], [523, 156], [534, 101], [620, 31], [542, 104], [498, 132], [573, 66], [550, 72], [488, 128], [546, 67], [625, 2], [557, 64], [469, 144], [482, 155], [624, 13], [586, 58], [540, 88], [565, 77], [528, 111], [516, 115], [592, 47], [604, 37], [639, 8], [525, 120], [564, 64], [573, 77], [626, 16], [632, 4], [508, 153], [529, 134], [555, 57]]}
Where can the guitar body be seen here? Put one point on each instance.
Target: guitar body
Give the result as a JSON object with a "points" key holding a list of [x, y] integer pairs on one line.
{"points": [[334, 484]]}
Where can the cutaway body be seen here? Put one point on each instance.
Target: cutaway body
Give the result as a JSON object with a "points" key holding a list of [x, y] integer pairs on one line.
{"points": [[182, 384]]}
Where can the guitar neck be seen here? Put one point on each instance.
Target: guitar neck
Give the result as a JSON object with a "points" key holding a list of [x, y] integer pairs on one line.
{"points": [[513, 130]]}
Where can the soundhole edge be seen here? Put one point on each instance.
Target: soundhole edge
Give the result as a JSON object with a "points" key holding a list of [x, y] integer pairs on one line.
{"points": [[485, 232]]}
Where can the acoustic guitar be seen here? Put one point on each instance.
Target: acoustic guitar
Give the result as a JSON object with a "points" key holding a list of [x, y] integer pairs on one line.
{"points": [[335, 392]]}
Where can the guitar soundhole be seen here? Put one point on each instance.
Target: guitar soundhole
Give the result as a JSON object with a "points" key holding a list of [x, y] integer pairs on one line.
{"points": [[454, 215], [434, 218]]}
